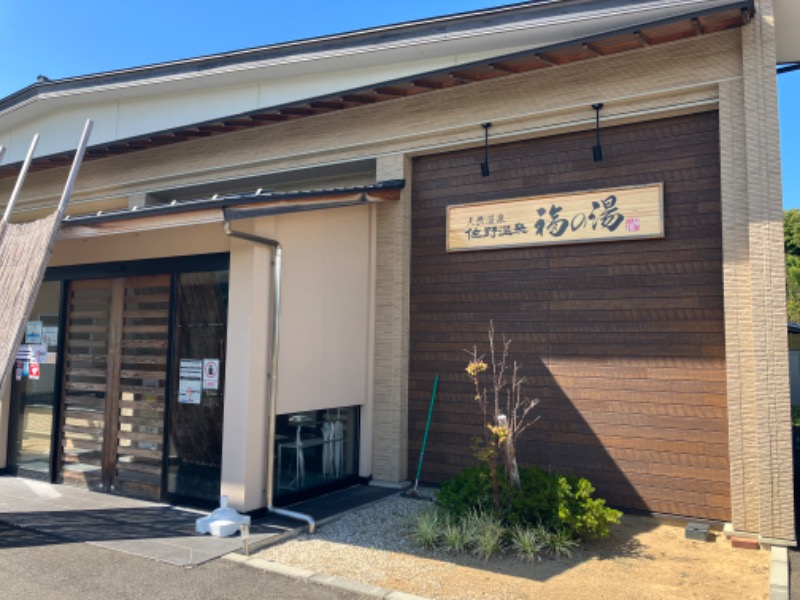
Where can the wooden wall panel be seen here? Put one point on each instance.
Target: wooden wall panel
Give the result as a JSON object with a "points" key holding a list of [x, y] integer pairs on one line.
{"points": [[622, 342]]}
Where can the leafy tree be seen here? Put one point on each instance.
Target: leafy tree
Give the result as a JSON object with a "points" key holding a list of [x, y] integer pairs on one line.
{"points": [[791, 245]]}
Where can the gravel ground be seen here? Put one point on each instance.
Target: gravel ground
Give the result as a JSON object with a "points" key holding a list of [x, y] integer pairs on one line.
{"points": [[643, 558]]}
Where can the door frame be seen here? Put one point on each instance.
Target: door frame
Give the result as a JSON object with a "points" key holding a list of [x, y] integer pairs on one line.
{"points": [[171, 266]]}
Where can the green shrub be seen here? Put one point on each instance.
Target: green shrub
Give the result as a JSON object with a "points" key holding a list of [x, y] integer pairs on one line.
{"points": [[468, 491], [583, 515], [557, 502], [536, 502]]}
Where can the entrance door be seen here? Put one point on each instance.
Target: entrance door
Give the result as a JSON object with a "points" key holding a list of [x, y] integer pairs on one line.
{"points": [[115, 378], [195, 433]]}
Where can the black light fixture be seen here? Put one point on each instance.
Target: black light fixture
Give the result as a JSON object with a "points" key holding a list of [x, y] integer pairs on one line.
{"points": [[485, 163], [597, 151]]}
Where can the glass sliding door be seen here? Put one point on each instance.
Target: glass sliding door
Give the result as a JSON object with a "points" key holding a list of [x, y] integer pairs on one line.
{"points": [[196, 406], [115, 362], [34, 390]]}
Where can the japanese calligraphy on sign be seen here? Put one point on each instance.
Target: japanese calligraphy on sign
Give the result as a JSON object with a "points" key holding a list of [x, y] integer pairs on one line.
{"points": [[595, 216]]}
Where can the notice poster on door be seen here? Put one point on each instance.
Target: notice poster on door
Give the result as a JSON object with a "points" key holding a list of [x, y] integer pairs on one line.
{"points": [[190, 383], [210, 373], [50, 336], [40, 350], [33, 332]]}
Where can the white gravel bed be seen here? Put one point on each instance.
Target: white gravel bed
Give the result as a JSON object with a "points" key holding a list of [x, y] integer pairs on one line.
{"points": [[381, 525], [369, 544], [642, 559]]}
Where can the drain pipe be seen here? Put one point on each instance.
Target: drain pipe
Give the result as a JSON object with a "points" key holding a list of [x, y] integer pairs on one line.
{"points": [[273, 390]]}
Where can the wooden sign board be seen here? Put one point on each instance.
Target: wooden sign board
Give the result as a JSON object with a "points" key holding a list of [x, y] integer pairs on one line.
{"points": [[596, 216]]}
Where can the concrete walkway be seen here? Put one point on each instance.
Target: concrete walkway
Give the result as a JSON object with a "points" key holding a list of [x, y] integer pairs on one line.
{"points": [[146, 529], [151, 530], [36, 566]]}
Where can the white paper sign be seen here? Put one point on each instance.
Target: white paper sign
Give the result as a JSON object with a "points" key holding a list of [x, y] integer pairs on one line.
{"points": [[189, 391], [26, 353], [190, 383], [41, 353], [210, 373], [50, 336], [191, 368], [33, 332]]}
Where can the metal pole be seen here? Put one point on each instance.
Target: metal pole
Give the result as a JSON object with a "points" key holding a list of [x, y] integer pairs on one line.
{"points": [[20, 179]]}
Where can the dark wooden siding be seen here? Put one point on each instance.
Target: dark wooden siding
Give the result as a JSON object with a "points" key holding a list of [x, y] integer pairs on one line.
{"points": [[623, 342]]}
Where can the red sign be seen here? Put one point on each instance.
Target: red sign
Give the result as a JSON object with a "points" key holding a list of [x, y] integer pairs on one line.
{"points": [[633, 224], [33, 371]]}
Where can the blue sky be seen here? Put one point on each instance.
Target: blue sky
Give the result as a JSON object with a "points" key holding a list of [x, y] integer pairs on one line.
{"points": [[789, 106], [61, 39]]}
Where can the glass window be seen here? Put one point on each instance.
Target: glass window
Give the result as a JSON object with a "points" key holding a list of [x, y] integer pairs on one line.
{"points": [[315, 448], [195, 433], [34, 387]]}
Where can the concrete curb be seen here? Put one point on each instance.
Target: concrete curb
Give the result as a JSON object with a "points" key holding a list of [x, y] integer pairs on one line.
{"points": [[254, 547], [322, 579], [779, 573]]}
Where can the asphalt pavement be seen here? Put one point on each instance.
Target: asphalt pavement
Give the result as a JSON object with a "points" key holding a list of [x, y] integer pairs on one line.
{"points": [[39, 566]]}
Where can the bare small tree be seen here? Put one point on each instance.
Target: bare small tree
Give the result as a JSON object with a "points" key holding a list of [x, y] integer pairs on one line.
{"points": [[510, 409]]}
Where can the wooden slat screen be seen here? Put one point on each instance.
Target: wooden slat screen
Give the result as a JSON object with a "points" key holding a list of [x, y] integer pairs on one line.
{"points": [[142, 384], [85, 380]]}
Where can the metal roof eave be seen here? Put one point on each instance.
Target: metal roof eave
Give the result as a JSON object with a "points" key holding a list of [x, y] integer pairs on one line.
{"points": [[253, 205]]}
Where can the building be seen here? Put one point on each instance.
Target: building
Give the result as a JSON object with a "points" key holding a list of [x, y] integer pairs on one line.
{"points": [[600, 179]]}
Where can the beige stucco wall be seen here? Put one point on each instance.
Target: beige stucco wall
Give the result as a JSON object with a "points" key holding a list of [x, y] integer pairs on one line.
{"points": [[325, 308], [183, 241], [323, 359], [246, 383], [730, 71]]}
